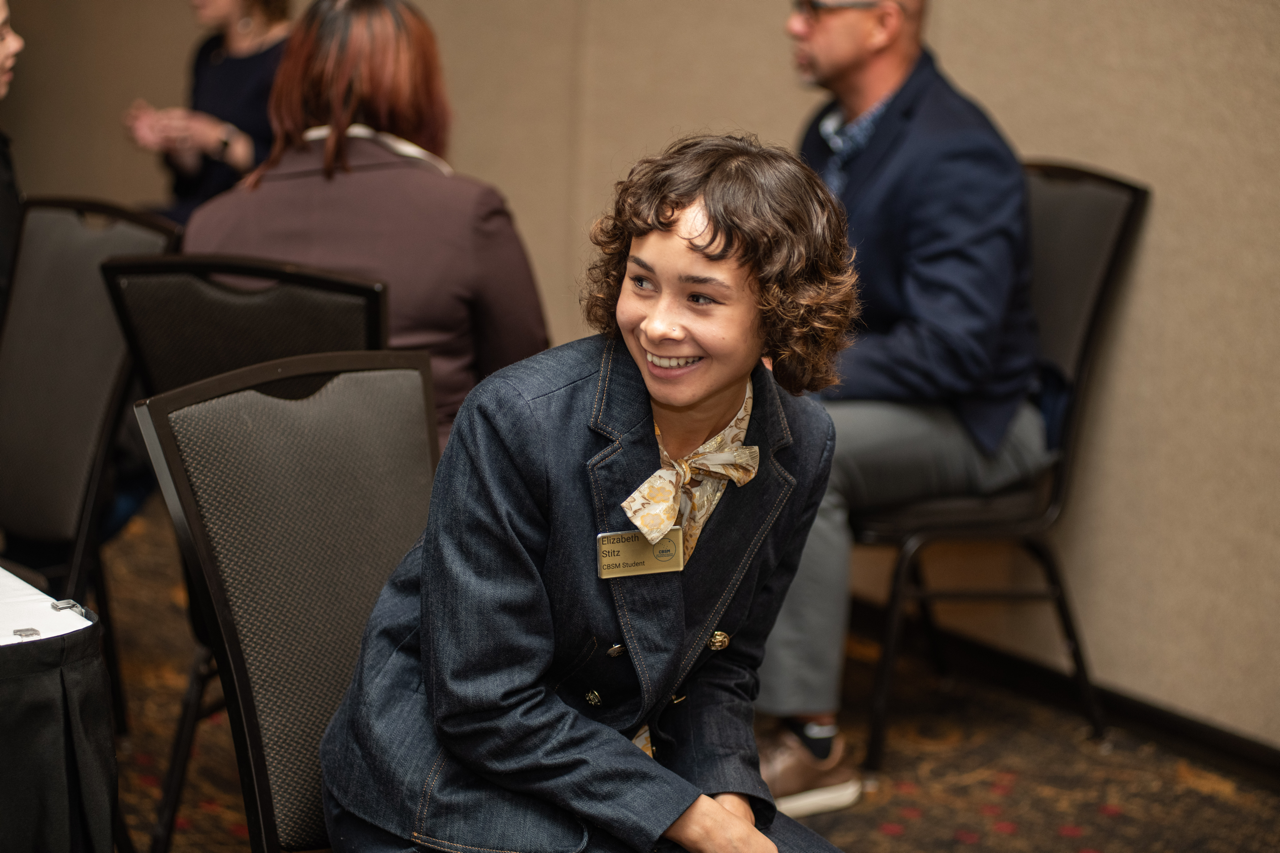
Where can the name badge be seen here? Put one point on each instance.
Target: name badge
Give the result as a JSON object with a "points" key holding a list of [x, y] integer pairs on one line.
{"points": [[620, 555]]}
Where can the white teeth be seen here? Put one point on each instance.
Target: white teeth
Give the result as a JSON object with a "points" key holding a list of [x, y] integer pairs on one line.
{"points": [[671, 362]]}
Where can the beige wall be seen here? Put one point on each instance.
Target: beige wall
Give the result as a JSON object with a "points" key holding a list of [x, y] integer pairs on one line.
{"points": [[1171, 541], [84, 63], [555, 100], [1170, 544]]}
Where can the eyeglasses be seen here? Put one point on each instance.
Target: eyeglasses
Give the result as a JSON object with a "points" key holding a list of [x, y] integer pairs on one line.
{"points": [[810, 8]]}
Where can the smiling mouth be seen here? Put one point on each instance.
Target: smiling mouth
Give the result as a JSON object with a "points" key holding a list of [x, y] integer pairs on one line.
{"points": [[671, 362]]}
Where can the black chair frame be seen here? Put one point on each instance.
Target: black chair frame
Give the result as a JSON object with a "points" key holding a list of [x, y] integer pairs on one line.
{"points": [[1026, 530], [153, 415]]}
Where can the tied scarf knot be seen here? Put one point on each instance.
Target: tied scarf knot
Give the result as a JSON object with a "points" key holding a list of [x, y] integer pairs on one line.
{"points": [[655, 506]]}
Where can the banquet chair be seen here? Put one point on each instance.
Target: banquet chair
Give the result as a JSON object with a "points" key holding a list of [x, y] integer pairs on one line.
{"points": [[190, 317], [64, 368], [1082, 226], [293, 512]]}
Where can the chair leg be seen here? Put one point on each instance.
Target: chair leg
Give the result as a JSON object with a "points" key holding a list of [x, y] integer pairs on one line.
{"points": [[1053, 578], [930, 624], [202, 671], [888, 652], [110, 648]]}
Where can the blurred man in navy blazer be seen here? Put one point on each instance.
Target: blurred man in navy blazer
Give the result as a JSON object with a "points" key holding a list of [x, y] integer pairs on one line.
{"points": [[933, 400]]}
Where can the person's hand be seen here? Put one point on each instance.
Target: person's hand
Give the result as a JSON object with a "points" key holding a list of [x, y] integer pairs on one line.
{"points": [[174, 130], [737, 804], [708, 826], [197, 132], [141, 122], [184, 135]]}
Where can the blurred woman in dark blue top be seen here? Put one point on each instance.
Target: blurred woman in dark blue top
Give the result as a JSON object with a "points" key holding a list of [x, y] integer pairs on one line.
{"points": [[226, 132]]}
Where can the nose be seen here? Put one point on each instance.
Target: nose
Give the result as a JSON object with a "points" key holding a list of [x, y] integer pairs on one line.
{"points": [[663, 322], [797, 24], [21, 43]]}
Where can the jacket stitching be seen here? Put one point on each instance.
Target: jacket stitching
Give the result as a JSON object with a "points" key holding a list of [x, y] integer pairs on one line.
{"points": [[732, 589], [429, 787], [645, 685], [596, 494], [426, 840], [591, 650], [777, 405], [602, 390]]}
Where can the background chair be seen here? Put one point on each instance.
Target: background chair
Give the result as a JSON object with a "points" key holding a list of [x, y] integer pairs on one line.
{"points": [[63, 373], [1083, 225], [294, 512], [191, 317]]}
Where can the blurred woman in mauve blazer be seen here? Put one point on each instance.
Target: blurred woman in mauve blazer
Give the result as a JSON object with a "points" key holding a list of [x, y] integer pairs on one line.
{"points": [[356, 183]]}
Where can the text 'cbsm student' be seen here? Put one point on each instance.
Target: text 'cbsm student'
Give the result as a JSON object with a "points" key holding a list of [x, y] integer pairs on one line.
{"points": [[567, 659]]}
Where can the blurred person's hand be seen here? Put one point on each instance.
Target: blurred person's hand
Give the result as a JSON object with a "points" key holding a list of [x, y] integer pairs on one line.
{"points": [[184, 135], [141, 122]]}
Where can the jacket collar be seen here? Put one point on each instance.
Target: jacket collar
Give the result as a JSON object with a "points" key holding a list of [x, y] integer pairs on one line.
{"points": [[650, 606], [891, 126], [361, 154]]}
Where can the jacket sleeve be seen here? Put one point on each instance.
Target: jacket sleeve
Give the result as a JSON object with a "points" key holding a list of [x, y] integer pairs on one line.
{"points": [[712, 727], [487, 634], [507, 316], [961, 252]]}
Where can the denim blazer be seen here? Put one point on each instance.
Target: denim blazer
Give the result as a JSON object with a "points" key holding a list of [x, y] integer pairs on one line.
{"points": [[500, 680]]}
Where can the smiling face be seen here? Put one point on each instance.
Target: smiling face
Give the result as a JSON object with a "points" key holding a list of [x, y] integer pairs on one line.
{"points": [[11, 45], [691, 324]]}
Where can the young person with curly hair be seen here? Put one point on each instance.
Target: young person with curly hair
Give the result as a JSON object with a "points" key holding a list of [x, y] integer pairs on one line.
{"points": [[567, 659]]}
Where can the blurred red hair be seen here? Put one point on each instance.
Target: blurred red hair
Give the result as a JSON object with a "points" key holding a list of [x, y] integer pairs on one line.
{"points": [[371, 62]]}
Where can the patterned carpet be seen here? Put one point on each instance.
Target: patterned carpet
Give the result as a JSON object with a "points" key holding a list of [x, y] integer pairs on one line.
{"points": [[968, 766]]}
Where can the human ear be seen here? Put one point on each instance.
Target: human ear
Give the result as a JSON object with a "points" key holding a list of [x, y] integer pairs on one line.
{"points": [[886, 26]]}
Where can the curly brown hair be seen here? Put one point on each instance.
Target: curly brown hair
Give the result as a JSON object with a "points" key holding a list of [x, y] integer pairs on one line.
{"points": [[766, 210]]}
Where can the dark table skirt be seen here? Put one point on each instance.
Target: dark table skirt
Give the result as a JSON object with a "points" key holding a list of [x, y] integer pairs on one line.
{"points": [[57, 755]]}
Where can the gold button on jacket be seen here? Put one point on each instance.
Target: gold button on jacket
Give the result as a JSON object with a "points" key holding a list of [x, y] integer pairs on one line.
{"points": [[593, 698], [719, 640]]}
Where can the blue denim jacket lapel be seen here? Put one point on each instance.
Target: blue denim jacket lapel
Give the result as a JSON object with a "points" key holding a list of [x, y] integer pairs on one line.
{"points": [[650, 608], [741, 521]]}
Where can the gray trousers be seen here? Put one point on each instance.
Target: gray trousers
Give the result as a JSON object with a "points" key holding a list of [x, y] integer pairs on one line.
{"points": [[886, 454]]}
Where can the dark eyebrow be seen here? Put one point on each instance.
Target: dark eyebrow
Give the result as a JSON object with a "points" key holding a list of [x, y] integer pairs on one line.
{"points": [[703, 280]]}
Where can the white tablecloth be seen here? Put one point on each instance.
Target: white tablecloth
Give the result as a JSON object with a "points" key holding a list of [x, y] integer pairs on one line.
{"points": [[22, 606]]}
